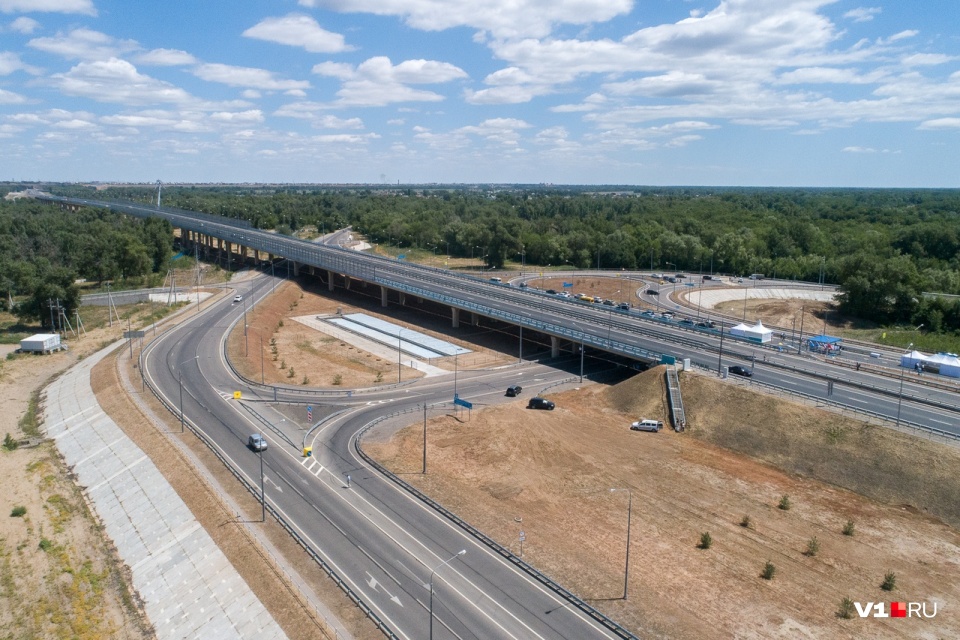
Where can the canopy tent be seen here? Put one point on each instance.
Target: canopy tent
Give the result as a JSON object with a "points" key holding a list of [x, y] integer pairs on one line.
{"points": [[756, 333], [824, 343], [911, 358]]}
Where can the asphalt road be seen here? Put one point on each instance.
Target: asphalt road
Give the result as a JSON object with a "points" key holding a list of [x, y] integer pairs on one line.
{"points": [[382, 541]]}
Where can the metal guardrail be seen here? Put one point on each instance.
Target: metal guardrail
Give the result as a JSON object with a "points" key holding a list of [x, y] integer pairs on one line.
{"points": [[479, 535], [277, 515]]}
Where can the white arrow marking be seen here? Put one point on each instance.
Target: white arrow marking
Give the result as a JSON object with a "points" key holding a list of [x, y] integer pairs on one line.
{"points": [[374, 584], [268, 480]]}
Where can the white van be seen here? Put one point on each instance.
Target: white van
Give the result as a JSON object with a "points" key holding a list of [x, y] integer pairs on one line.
{"points": [[646, 425], [496, 280]]}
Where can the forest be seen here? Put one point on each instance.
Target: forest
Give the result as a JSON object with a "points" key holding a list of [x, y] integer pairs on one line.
{"points": [[892, 252]]}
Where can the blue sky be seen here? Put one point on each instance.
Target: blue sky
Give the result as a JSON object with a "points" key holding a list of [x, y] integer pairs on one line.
{"points": [[649, 92]]}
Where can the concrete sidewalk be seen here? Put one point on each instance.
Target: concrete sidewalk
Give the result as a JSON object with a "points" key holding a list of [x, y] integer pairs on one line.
{"points": [[189, 588]]}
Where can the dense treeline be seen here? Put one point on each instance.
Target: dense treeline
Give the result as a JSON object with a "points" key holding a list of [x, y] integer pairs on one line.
{"points": [[44, 251], [883, 247]]}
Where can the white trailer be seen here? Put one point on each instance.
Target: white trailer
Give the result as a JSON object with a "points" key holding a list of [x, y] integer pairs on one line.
{"points": [[42, 343]]}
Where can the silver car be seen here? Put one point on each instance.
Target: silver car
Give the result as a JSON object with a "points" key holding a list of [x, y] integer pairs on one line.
{"points": [[257, 442], [647, 425]]}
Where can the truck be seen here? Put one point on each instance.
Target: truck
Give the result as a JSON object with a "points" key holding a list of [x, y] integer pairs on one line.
{"points": [[42, 343]]}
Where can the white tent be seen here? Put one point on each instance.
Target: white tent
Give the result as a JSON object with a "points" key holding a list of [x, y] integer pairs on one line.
{"points": [[757, 332], [740, 330], [911, 358], [947, 363]]}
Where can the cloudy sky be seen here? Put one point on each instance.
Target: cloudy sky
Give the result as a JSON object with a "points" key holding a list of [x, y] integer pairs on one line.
{"points": [[649, 92]]}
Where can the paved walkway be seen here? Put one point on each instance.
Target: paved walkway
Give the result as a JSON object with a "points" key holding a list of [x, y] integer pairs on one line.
{"points": [[189, 588]]}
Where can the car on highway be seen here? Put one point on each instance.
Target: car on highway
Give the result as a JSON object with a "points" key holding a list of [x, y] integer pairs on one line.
{"points": [[647, 425], [523, 285], [649, 314], [238, 298], [687, 322], [257, 442], [541, 403], [708, 277], [513, 391], [563, 294], [653, 292], [552, 292], [624, 306], [737, 370], [706, 324], [610, 303]]}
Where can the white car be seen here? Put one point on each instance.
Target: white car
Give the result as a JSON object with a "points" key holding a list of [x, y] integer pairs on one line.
{"points": [[238, 298], [646, 425]]}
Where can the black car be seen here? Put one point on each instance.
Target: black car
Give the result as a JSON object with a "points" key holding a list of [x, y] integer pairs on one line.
{"points": [[513, 391], [653, 292], [540, 403], [523, 285], [687, 322], [552, 292], [737, 370]]}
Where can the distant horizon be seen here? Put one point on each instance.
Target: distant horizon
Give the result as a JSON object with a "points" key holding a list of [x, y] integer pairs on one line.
{"points": [[404, 185]]}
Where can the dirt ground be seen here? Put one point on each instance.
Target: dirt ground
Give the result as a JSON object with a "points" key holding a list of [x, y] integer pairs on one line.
{"points": [[553, 471], [59, 578], [553, 475]]}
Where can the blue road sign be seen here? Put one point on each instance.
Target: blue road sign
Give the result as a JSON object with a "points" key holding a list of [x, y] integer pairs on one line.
{"points": [[462, 403], [567, 285]]}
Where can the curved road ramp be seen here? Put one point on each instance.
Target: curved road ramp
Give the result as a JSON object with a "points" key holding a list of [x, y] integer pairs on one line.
{"points": [[188, 587]]}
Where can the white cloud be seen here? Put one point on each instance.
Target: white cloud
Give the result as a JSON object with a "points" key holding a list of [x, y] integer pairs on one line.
{"points": [[10, 62], [84, 44], [378, 82], [862, 14], [939, 124], [166, 58], [48, 6], [502, 18], [259, 79], [117, 81], [9, 97], [670, 84], [298, 30], [235, 117], [926, 59], [867, 150], [24, 25]]}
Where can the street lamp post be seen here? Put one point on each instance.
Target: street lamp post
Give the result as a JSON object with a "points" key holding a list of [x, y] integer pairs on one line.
{"points": [[180, 382], [445, 562], [626, 567], [263, 501], [900, 398], [399, 354]]}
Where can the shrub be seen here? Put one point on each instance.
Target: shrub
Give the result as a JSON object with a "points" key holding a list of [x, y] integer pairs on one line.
{"points": [[18, 511], [746, 523], [705, 540], [846, 609], [305, 380], [379, 377], [9, 443], [848, 528], [45, 544], [283, 364], [889, 581], [813, 547], [768, 571], [280, 324], [291, 373], [784, 502], [337, 380]]}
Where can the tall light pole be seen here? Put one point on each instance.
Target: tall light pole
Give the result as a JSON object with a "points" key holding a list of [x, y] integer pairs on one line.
{"points": [[900, 398], [626, 566], [445, 562], [399, 354], [263, 500], [180, 382]]}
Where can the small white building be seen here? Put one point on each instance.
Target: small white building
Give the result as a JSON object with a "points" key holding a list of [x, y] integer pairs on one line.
{"points": [[42, 343]]}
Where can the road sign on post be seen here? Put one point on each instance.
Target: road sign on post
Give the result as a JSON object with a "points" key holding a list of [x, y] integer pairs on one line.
{"points": [[463, 403], [309, 413]]}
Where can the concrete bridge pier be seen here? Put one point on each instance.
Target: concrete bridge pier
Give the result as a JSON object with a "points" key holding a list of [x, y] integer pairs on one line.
{"points": [[329, 280], [384, 299], [554, 347], [454, 317]]}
